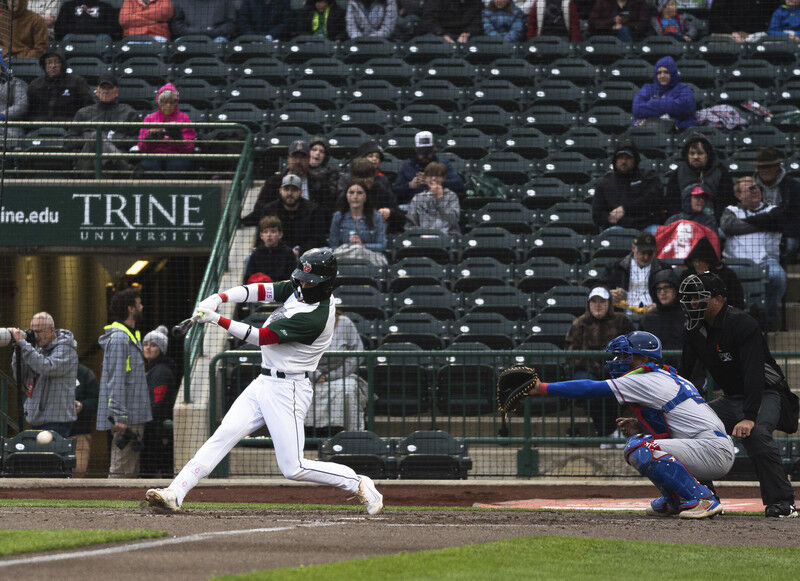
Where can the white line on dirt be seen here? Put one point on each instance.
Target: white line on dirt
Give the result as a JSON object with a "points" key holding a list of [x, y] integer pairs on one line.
{"points": [[156, 543]]}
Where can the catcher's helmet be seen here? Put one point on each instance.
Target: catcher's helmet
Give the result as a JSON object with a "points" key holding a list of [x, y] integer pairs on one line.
{"points": [[622, 349], [316, 265], [694, 293]]}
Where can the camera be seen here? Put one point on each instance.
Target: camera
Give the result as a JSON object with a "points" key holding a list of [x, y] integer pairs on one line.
{"points": [[6, 338], [129, 437], [30, 337]]}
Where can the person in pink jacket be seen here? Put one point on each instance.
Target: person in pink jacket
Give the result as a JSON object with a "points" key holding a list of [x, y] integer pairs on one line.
{"points": [[169, 140]]}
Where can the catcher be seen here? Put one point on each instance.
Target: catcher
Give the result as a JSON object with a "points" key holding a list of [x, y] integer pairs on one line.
{"points": [[675, 439]]}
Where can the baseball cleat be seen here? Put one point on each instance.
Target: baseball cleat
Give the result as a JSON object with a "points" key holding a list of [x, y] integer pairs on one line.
{"points": [[162, 499], [369, 496], [705, 508], [781, 510], [662, 506]]}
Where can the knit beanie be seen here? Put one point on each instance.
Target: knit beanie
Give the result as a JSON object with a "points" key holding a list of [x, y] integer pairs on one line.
{"points": [[158, 337]]}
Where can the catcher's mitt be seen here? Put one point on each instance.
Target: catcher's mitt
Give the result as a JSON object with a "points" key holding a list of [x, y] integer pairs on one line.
{"points": [[513, 384]]}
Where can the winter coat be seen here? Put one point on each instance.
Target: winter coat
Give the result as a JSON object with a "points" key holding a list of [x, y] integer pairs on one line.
{"points": [[124, 395], [152, 20], [665, 322], [509, 25], [714, 177], [57, 98], [168, 144], [49, 375], [687, 25], [325, 178], [785, 193], [309, 21], [729, 16], [277, 262], [588, 334], [31, 36], [706, 217], [452, 17], [208, 17], [87, 17], [265, 17], [411, 167], [785, 19], [116, 111], [675, 100], [704, 251], [376, 19], [753, 234], [374, 237], [162, 387], [601, 20], [639, 193], [14, 95], [428, 211], [318, 191], [305, 227], [618, 275], [86, 392], [572, 23]]}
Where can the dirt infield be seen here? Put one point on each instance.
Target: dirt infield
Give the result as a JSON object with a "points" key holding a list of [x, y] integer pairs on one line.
{"points": [[269, 539]]}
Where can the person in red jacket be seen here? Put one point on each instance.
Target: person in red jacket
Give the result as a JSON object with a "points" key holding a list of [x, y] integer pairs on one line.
{"points": [[146, 18], [554, 18], [628, 20]]}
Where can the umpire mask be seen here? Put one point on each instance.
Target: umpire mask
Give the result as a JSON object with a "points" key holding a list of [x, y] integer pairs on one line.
{"points": [[695, 292]]}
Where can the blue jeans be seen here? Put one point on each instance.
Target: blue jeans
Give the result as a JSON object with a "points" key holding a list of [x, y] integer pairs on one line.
{"points": [[776, 287], [624, 34], [63, 429], [166, 165]]}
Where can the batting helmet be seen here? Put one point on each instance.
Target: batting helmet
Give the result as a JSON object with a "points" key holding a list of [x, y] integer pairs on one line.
{"points": [[623, 348], [695, 291], [317, 265]]}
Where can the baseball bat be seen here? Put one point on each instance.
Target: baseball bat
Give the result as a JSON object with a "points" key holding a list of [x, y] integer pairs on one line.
{"points": [[183, 327]]}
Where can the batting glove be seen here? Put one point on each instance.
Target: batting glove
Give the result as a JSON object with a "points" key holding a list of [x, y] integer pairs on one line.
{"points": [[206, 316], [210, 304]]}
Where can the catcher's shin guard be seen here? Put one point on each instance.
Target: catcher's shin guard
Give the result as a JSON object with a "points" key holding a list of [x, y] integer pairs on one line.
{"points": [[670, 476]]}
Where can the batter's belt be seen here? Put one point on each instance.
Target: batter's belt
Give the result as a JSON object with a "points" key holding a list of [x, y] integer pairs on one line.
{"points": [[281, 374]]}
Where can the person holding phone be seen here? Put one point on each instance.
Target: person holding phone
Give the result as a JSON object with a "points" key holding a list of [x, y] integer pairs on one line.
{"points": [[172, 140]]}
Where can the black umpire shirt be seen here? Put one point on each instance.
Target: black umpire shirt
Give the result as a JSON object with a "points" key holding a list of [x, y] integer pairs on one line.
{"points": [[733, 350]]}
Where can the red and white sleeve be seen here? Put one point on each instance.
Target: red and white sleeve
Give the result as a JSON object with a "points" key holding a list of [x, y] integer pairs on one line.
{"points": [[262, 292], [253, 335]]}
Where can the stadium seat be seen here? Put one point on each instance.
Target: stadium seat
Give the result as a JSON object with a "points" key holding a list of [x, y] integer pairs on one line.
{"points": [[541, 273], [762, 136], [603, 49], [509, 167], [434, 299], [654, 48], [459, 72], [357, 272], [491, 119], [570, 167], [431, 117], [376, 91], [402, 381], [244, 113], [560, 92], [365, 116], [742, 163], [505, 300], [594, 273], [272, 70], [86, 45], [315, 91], [555, 241], [786, 117], [41, 141], [484, 49], [249, 46], [614, 242], [757, 71], [468, 143], [394, 70], [511, 216], [608, 119], [778, 50], [90, 68], [194, 46], [434, 244], [636, 71], [138, 45], [650, 141], [490, 329], [423, 49], [331, 70], [577, 70], [137, 93], [548, 359], [466, 388], [528, 142], [544, 49], [496, 92], [574, 215], [305, 47], [278, 139], [26, 69], [415, 271], [434, 455], [699, 72], [462, 166], [549, 119], [344, 141], [439, 92], [364, 452], [588, 141], [564, 299], [256, 91], [788, 93], [400, 142], [307, 116], [719, 50], [419, 328], [515, 70], [198, 93], [615, 94], [363, 299], [476, 272], [542, 192], [547, 331], [498, 243], [210, 69], [362, 49], [367, 329]]}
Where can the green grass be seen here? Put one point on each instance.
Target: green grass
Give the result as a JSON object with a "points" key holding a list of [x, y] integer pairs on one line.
{"points": [[14, 542], [557, 558]]}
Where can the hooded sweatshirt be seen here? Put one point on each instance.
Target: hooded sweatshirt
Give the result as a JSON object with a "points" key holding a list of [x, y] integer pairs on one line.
{"points": [[704, 251], [324, 178], [665, 322], [49, 375], [87, 17], [375, 18], [714, 178], [57, 98], [785, 193], [638, 192], [589, 333], [168, 144], [163, 387], [785, 21], [124, 394], [14, 95], [675, 99], [705, 218], [208, 17], [30, 38], [150, 20]]}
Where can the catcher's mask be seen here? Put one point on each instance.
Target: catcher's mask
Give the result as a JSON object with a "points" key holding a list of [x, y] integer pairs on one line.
{"points": [[316, 265], [694, 293], [623, 348]]}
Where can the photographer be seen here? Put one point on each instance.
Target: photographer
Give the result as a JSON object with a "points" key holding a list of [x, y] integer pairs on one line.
{"points": [[49, 372]]}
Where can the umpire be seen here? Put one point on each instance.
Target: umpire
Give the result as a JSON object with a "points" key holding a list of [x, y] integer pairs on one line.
{"points": [[727, 342]]}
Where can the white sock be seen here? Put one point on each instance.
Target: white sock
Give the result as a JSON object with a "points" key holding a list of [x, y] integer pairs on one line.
{"points": [[187, 479]]}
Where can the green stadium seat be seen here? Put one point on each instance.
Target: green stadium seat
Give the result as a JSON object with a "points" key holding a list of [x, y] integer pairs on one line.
{"points": [[26, 69], [594, 272], [360, 50], [304, 115], [426, 48], [788, 93], [544, 49], [485, 49], [549, 119], [574, 215], [194, 46], [564, 299], [528, 142], [402, 382], [244, 113], [210, 69], [698, 71], [364, 452], [556, 241], [87, 45], [431, 117], [561, 92], [249, 46], [255, 91], [613, 242], [365, 116], [468, 143], [778, 50], [433, 455], [304, 48], [270, 69], [356, 272], [654, 48], [363, 299], [459, 72], [614, 93], [394, 70], [400, 142], [378, 92], [198, 93], [419, 328], [498, 243], [434, 299], [602, 49], [762, 136], [138, 45], [315, 91], [507, 166], [344, 141], [415, 270], [466, 389], [609, 120], [150, 69], [415, 242], [719, 50], [541, 273], [576, 70], [329, 69], [588, 141], [504, 300], [542, 192], [515, 70], [491, 119], [473, 273], [90, 68], [637, 71], [545, 331], [510, 215], [650, 141], [137, 93], [439, 92], [278, 139], [570, 167]]}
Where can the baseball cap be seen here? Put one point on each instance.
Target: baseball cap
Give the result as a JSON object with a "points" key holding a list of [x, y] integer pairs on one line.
{"points": [[645, 241], [292, 180], [698, 191], [599, 291], [423, 140], [107, 79], [713, 284], [627, 152], [298, 146]]}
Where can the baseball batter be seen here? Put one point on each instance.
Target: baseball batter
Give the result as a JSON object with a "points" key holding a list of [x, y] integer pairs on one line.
{"points": [[675, 438], [292, 341]]}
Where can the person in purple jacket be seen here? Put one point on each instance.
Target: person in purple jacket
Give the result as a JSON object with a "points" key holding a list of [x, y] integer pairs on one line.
{"points": [[666, 95]]}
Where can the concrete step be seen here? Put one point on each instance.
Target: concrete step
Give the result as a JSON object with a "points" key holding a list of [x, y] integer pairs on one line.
{"points": [[784, 341]]}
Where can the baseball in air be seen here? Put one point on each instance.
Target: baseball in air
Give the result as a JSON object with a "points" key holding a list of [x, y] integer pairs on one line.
{"points": [[44, 437]]}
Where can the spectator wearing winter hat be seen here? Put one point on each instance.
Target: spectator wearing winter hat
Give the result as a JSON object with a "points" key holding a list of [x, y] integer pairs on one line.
{"points": [[785, 20], [666, 95], [554, 18], [177, 140], [411, 177], [156, 456], [57, 95], [503, 18], [669, 22], [323, 178], [783, 191], [695, 207]]}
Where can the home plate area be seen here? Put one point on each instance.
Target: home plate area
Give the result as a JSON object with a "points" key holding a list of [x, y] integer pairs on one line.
{"points": [[613, 504]]}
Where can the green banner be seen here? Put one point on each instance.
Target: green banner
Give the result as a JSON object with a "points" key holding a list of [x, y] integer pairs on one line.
{"points": [[101, 215]]}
